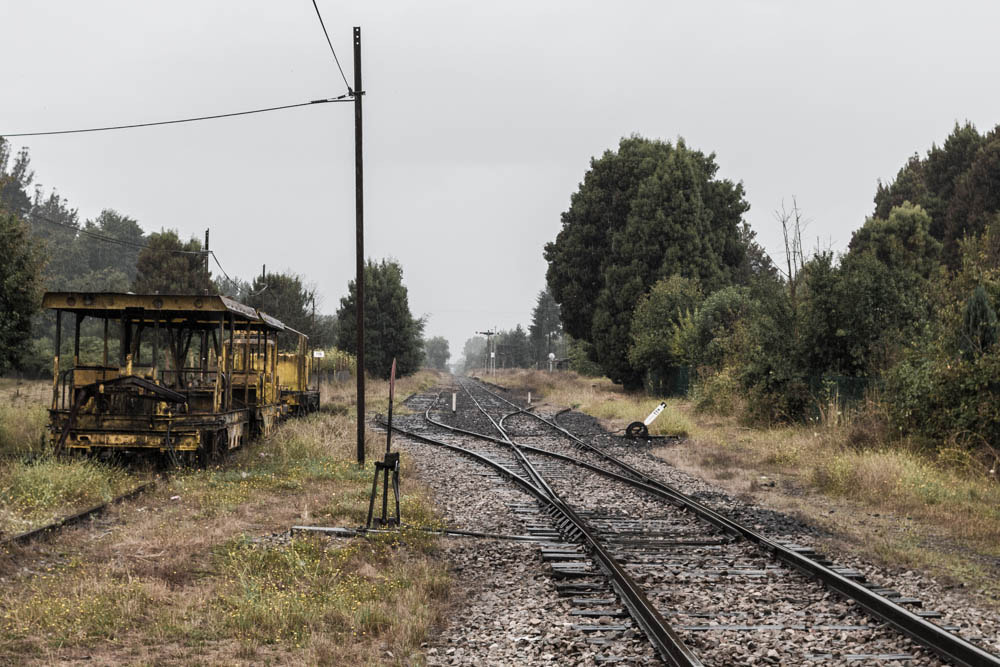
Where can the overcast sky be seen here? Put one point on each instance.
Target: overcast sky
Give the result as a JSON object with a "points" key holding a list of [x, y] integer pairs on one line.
{"points": [[480, 121]]}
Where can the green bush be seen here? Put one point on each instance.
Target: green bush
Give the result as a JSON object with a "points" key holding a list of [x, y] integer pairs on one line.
{"points": [[581, 359], [719, 392]]}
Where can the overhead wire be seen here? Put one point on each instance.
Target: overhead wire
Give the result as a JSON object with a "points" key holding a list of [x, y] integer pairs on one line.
{"points": [[340, 98], [335, 58], [140, 246], [123, 242], [101, 237]]}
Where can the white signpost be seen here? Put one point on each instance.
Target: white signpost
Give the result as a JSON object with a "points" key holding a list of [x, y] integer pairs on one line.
{"points": [[654, 414]]}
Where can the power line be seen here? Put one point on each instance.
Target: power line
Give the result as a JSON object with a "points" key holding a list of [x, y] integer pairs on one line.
{"points": [[139, 246], [335, 58], [341, 98], [86, 232], [107, 239], [218, 264]]}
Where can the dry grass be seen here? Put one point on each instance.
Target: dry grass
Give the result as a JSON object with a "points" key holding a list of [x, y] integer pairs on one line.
{"points": [[35, 493], [598, 397], [896, 502], [36, 489], [181, 576], [23, 416], [377, 391]]}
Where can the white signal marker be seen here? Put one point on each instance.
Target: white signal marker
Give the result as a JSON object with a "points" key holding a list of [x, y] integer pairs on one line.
{"points": [[654, 414]]}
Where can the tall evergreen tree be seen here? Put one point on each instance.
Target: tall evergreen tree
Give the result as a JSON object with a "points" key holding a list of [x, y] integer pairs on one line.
{"points": [[473, 353], [546, 327], [513, 349], [650, 210], [390, 328], [15, 179], [282, 295]]}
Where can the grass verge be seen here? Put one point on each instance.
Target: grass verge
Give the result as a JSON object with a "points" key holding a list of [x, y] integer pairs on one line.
{"points": [[201, 570], [598, 397]]}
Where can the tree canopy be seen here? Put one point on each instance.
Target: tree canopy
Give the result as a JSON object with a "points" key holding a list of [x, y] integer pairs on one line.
{"points": [[545, 330], [283, 295], [390, 328], [473, 353], [657, 321], [513, 349], [955, 183], [20, 288], [436, 353], [170, 266], [648, 211]]}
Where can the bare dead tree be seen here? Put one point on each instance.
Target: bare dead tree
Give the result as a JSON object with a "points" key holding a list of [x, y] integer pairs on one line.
{"points": [[792, 224]]}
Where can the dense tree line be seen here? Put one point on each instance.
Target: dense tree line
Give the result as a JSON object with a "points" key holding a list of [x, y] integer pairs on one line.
{"points": [[48, 247], [655, 271], [517, 348], [21, 270]]}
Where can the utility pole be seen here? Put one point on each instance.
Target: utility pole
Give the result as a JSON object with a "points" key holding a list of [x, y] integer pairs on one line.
{"points": [[490, 354], [359, 280], [207, 271]]}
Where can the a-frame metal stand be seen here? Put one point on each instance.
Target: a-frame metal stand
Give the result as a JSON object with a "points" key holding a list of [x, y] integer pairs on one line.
{"points": [[389, 464]]}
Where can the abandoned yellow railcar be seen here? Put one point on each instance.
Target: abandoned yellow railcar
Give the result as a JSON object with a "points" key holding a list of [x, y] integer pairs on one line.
{"points": [[298, 396], [188, 375]]}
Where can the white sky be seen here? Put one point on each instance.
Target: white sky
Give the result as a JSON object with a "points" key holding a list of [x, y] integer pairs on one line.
{"points": [[480, 120]]}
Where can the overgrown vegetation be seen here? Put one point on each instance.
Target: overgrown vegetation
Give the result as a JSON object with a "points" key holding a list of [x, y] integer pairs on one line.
{"points": [[35, 488], [192, 570], [907, 316]]}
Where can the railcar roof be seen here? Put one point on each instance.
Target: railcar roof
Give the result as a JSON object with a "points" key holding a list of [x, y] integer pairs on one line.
{"points": [[166, 306]]}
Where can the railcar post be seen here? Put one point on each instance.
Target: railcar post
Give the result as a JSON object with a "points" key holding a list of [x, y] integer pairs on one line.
{"points": [[55, 361], [359, 281], [106, 341]]}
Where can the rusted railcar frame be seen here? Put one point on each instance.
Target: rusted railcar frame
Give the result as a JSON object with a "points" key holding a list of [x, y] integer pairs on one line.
{"points": [[190, 428]]}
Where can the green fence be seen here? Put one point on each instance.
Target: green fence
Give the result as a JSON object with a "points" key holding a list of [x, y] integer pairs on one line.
{"points": [[673, 381], [825, 389]]}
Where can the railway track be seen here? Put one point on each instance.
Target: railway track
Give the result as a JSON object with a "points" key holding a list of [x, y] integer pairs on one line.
{"points": [[75, 518], [628, 547]]}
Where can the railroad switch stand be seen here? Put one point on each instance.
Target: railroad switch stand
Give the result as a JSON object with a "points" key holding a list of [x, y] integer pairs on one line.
{"points": [[637, 430], [389, 464]]}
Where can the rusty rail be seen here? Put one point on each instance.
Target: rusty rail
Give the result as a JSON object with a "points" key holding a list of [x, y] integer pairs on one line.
{"points": [[28, 536]]}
